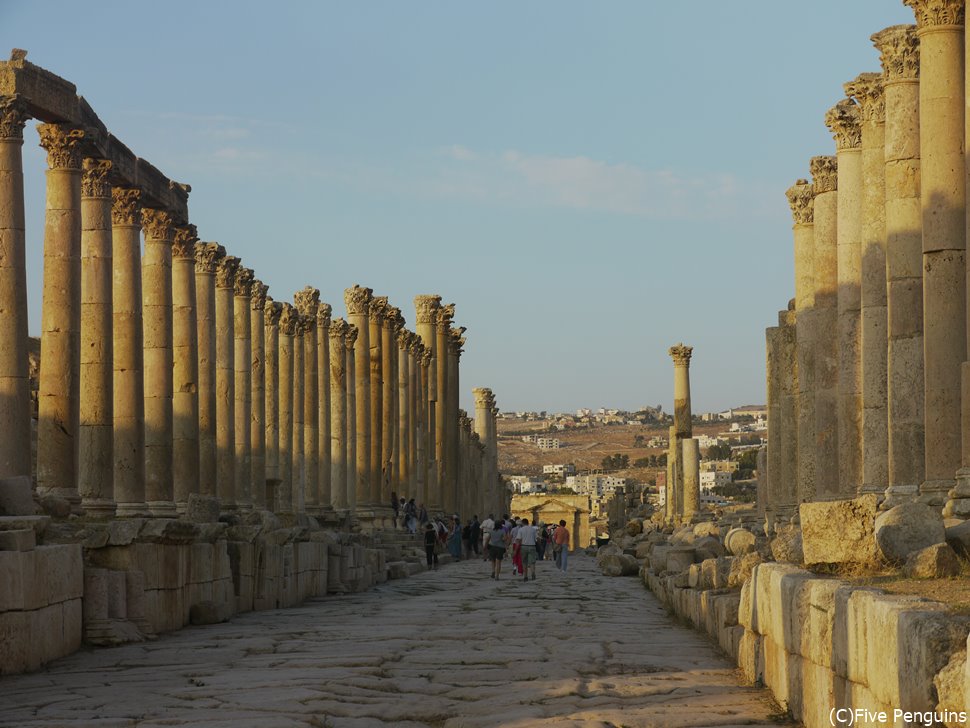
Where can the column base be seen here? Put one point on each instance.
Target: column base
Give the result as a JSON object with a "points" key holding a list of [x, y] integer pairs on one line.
{"points": [[131, 510], [898, 494], [68, 494], [98, 508], [958, 497], [161, 509], [934, 492]]}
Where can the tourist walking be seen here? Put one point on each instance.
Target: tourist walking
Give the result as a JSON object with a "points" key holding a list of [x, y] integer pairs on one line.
{"points": [[561, 540], [454, 538], [475, 537], [430, 546], [526, 538], [542, 538], [422, 515], [410, 516], [497, 542], [516, 548], [487, 525]]}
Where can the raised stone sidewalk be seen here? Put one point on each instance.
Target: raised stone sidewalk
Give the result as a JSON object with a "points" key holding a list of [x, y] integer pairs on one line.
{"points": [[448, 648]]}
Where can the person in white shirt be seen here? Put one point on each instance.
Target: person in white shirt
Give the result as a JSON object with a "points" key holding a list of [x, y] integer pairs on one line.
{"points": [[526, 538], [487, 526]]}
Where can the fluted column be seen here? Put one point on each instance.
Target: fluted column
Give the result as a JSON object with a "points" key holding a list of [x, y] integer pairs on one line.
{"points": [[14, 375], [285, 491], [226, 272], [58, 395], [353, 422], [377, 312], [207, 257], [95, 431], [801, 199], [185, 362], [308, 303], [357, 301], [899, 53], [299, 415], [338, 416], [272, 311], [825, 185], [943, 184], [402, 465], [426, 309], [323, 405], [159, 229], [843, 121], [257, 427]]}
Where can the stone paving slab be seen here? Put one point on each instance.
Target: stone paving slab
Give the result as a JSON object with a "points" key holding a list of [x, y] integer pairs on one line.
{"points": [[449, 649]]}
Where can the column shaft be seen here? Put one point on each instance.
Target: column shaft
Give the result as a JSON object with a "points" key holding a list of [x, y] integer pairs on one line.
{"points": [[308, 303], [299, 418], [377, 312], [258, 423], [271, 314], [226, 382], [324, 405], [285, 490], [242, 385], [185, 358], [357, 300], [207, 257], [353, 429], [338, 416]]}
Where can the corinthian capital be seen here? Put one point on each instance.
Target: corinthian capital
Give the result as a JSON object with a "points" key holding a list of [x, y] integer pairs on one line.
{"points": [[931, 13], [323, 315], [425, 308], [357, 299], [183, 246], [307, 301], [125, 206], [445, 315], [63, 145], [350, 337], [377, 309], [243, 283], [257, 295], [825, 174], [483, 397], [681, 354], [866, 89], [338, 330], [207, 257], [843, 121], [272, 312], [226, 270], [898, 48], [94, 178], [289, 319], [158, 224], [13, 116], [425, 357], [801, 199]]}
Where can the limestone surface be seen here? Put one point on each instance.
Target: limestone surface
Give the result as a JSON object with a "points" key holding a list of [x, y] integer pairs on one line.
{"points": [[839, 532], [447, 648], [907, 528]]}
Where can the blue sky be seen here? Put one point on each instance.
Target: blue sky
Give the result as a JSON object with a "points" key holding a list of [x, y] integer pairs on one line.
{"points": [[588, 182]]}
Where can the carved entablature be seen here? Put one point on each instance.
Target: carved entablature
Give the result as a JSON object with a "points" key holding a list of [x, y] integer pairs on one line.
{"points": [[932, 13], [425, 307], [226, 271], [825, 174], [350, 337], [378, 309], [13, 116], [307, 301], [681, 354], [898, 48], [867, 90], [843, 121], [94, 178], [207, 257], [323, 315], [357, 299], [257, 295], [338, 330], [63, 145], [183, 246], [158, 224], [801, 199], [272, 312], [243, 283], [125, 206], [289, 318]]}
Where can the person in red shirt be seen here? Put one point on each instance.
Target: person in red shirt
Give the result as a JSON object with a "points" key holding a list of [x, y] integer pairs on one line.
{"points": [[561, 549]]}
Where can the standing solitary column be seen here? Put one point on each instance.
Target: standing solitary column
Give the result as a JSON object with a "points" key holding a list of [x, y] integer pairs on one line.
{"points": [[338, 417], [867, 89], [95, 432], [801, 199], [157, 275], [242, 384], [308, 303], [357, 300], [825, 185], [225, 383], [185, 356], [58, 395], [269, 487], [352, 430], [257, 328], [14, 375], [377, 313], [323, 396], [899, 54], [207, 257], [843, 121], [683, 427], [943, 184], [287, 476]]}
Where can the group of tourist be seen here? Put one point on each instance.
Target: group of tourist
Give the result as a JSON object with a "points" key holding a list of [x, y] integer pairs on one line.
{"points": [[529, 544], [410, 515]]}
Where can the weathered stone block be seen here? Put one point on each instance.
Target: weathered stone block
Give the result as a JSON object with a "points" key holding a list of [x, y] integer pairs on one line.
{"points": [[168, 531], [907, 528], [21, 540], [209, 612], [679, 559], [63, 571], [786, 546], [938, 560], [16, 523], [202, 509], [14, 641], [16, 498], [123, 531], [839, 532], [751, 657], [739, 541]]}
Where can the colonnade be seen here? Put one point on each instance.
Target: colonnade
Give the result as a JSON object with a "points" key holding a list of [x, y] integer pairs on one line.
{"points": [[173, 373], [868, 373]]}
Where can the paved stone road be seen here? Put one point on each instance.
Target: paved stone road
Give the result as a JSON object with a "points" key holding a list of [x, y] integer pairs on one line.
{"points": [[450, 648]]}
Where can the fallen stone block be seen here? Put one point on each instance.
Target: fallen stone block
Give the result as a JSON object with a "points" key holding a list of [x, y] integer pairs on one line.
{"points": [[619, 565], [209, 612], [679, 559], [839, 532], [907, 528], [123, 531], [740, 541], [786, 546], [938, 560], [23, 539]]}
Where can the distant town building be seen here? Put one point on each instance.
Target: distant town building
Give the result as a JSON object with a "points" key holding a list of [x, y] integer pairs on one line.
{"points": [[563, 469], [712, 479], [547, 443]]}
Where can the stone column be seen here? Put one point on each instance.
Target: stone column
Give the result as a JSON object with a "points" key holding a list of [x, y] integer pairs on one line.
{"points": [[258, 425], [226, 272], [454, 349], [15, 416], [299, 415], [127, 346], [773, 378], [96, 424], [185, 371], [388, 401], [672, 489], [308, 303], [58, 395], [357, 300], [801, 198], [243, 386], [271, 314], [843, 121], [323, 396], [426, 309], [867, 90], [377, 312], [425, 474], [899, 53], [690, 454], [943, 184], [825, 185], [444, 427], [787, 486], [483, 411], [207, 257], [414, 393], [352, 426], [683, 427], [338, 416], [159, 229], [285, 491], [402, 465]]}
